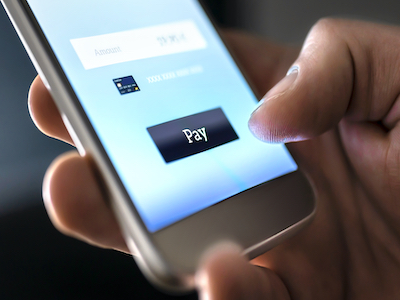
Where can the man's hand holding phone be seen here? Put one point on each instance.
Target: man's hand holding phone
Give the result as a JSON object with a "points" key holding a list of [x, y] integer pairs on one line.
{"points": [[342, 103]]}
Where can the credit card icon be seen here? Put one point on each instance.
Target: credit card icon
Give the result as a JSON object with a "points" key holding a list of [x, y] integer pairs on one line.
{"points": [[126, 85]]}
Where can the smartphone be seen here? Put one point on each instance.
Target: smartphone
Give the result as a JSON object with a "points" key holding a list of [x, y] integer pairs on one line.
{"points": [[149, 92]]}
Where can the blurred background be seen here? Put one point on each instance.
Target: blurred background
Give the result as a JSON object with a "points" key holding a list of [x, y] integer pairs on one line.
{"points": [[37, 262]]}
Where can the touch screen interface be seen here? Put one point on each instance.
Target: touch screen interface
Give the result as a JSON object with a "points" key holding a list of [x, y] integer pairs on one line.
{"points": [[165, 99]]}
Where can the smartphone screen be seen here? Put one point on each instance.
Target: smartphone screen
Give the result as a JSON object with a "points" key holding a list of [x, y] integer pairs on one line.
{"points": [[166, 99]]}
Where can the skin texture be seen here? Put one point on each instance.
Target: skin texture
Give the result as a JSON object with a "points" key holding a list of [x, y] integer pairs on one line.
{"points": [[340, 110]]}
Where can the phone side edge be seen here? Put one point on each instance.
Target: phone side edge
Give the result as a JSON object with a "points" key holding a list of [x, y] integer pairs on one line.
{"points": [[158, 272]]}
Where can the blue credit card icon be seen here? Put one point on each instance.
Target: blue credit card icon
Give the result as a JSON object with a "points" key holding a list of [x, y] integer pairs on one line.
{"points": [[126, 85]]}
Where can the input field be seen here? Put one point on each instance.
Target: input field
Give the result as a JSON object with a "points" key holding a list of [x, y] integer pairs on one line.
{"points": [[108, 49]]}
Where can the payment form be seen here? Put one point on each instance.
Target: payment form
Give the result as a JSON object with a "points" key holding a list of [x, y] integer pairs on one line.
{"points": [[166, 100]]}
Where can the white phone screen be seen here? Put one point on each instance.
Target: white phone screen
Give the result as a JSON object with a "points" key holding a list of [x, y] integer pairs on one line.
{"points": [[166, 100]]}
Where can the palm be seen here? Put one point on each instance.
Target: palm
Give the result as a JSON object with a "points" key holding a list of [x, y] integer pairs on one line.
{"points": [[352, 249]]}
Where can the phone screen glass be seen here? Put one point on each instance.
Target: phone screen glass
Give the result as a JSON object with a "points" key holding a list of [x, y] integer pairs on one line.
{"points": [[166, 100]]}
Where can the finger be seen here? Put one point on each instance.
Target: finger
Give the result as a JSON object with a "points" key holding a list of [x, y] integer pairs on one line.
{"points": [[226, 274], [76, 205], [345, 68], [311, 98], [44, 112]]}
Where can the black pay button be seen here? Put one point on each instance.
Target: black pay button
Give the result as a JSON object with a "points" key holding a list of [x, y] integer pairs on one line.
{"points": [[193, 134]]}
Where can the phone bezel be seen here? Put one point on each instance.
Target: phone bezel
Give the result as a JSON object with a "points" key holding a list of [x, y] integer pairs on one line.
{"points": [[171, 255]]}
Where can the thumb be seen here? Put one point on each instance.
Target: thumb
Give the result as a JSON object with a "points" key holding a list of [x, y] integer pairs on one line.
{"points": [[314, 95], [226, 274]]}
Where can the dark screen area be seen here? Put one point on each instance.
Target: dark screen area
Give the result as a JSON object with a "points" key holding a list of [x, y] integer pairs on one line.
{"points": [[222, 12], [37, 262]]}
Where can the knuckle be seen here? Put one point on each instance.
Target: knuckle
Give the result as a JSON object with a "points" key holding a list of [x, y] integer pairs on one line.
{"points": [[327, 26], [326, 35], [327, 22]]}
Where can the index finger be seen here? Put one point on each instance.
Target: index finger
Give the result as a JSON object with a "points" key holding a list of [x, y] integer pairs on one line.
{"points": [[44, 112]]}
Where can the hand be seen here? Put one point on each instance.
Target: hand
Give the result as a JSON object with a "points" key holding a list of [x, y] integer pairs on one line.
{"points": [[342, 103]]}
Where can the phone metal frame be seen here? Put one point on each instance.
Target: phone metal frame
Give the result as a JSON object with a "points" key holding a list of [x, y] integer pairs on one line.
{"points": [[257, 219]]}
